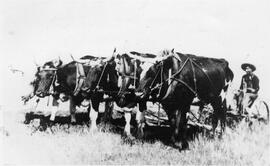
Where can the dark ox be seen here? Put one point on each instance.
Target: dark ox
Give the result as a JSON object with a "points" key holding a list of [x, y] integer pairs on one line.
{"points": [[37, 79], [75, 80], [62, 80], [34, 86], [191, 76]]}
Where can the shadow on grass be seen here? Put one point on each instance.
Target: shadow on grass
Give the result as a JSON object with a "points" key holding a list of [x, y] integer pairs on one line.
{"points": [[151, 133]]}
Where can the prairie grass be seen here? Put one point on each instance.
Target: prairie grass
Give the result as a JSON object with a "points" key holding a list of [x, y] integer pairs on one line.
{"points": [[78, 145]]}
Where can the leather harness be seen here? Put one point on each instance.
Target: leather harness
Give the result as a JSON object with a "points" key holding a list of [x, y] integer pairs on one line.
{"points": [[80, 78], [193, 90]]}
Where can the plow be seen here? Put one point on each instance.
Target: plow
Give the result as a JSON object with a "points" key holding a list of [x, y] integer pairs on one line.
{"points": [[199, 117]]}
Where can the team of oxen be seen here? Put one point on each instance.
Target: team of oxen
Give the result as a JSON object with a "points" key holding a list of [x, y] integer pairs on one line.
{"points": [[132, 79]]}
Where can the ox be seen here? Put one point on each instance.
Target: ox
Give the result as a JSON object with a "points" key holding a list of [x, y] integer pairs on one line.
{"points": [[114, 78], [103, 79], [176, 79], [70, 80]]}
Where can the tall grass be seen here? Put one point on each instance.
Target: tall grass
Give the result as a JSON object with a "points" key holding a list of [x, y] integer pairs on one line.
{"points": [[78, 145]]}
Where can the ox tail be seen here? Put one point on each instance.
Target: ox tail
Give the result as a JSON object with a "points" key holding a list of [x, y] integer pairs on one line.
{"points": [[267, 109], [228, 72], [228, 80]]}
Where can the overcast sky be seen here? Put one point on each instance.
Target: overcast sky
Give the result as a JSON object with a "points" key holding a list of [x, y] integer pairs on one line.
{"points": [[41, 30]]}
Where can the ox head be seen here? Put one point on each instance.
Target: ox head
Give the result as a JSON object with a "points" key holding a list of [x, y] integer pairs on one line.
{"points": [[154, 76], [102, 76], [130, 66], [46, 77]]}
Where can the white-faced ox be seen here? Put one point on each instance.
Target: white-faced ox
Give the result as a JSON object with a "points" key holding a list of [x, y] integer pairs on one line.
{"points": [[129, 68]]}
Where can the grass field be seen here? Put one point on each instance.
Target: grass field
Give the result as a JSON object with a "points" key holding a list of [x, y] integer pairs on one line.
{"points": [[77, 145]]}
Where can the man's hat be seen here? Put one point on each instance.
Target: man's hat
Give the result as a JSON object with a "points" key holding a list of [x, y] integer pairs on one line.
{"points": [[245, 65]]}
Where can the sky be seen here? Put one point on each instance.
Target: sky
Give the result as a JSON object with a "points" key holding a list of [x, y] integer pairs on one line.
{"points": [[40, 30]]}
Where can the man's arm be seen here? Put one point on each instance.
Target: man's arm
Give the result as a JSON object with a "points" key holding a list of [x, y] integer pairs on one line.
{"points": [[256, 85], [242, 83]]}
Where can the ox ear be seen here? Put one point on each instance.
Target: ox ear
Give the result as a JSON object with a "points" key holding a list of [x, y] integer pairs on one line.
{"points": [[57, 62], [135, 53], [88, 57], [147, 55], [60, 62], [114, 53], [172, 51]]}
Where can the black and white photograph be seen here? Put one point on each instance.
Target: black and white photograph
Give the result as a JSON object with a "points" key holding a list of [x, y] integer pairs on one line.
{"points": [[138, 82]]}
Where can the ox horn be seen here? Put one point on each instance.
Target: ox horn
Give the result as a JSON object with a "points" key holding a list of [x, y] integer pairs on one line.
{"points": [[72, 57], [149, 60], [110, 57]]}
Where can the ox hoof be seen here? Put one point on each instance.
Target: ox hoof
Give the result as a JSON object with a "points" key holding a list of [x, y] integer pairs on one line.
{"points": [[93, 129], [128, 139], [27, 118], [73, 122], [26, 121], [184, 146], [73, 119], [179, 146], [140, 133]]}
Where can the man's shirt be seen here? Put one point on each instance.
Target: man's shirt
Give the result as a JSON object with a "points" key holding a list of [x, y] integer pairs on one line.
{"points": [[250, 81]]}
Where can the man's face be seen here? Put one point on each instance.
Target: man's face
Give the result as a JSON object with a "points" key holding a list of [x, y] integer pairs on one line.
{"points": [[248, 70]]}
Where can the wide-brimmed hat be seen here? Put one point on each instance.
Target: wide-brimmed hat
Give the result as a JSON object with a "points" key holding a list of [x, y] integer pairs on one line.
{"points": [[245, 65]]}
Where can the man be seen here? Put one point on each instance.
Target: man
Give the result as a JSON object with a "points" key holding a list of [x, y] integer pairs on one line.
{"points": [[249, 86]]}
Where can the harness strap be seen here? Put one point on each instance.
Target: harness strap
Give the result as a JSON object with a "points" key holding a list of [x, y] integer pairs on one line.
{"points": [[135, 71], [97, 87], [51, 90], [161, 79], [193, 64], [80, 78], [190, 88], [183, 82], [194, 78]]}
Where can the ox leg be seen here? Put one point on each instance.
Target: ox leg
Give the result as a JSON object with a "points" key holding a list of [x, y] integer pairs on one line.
{"points": [[54, 108], [94, 114], [72, 108], [127, 119], [181, 123], [178, 123], [140, 118], [141, 123], [53, 113], [219, 114], [173, 130]]}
